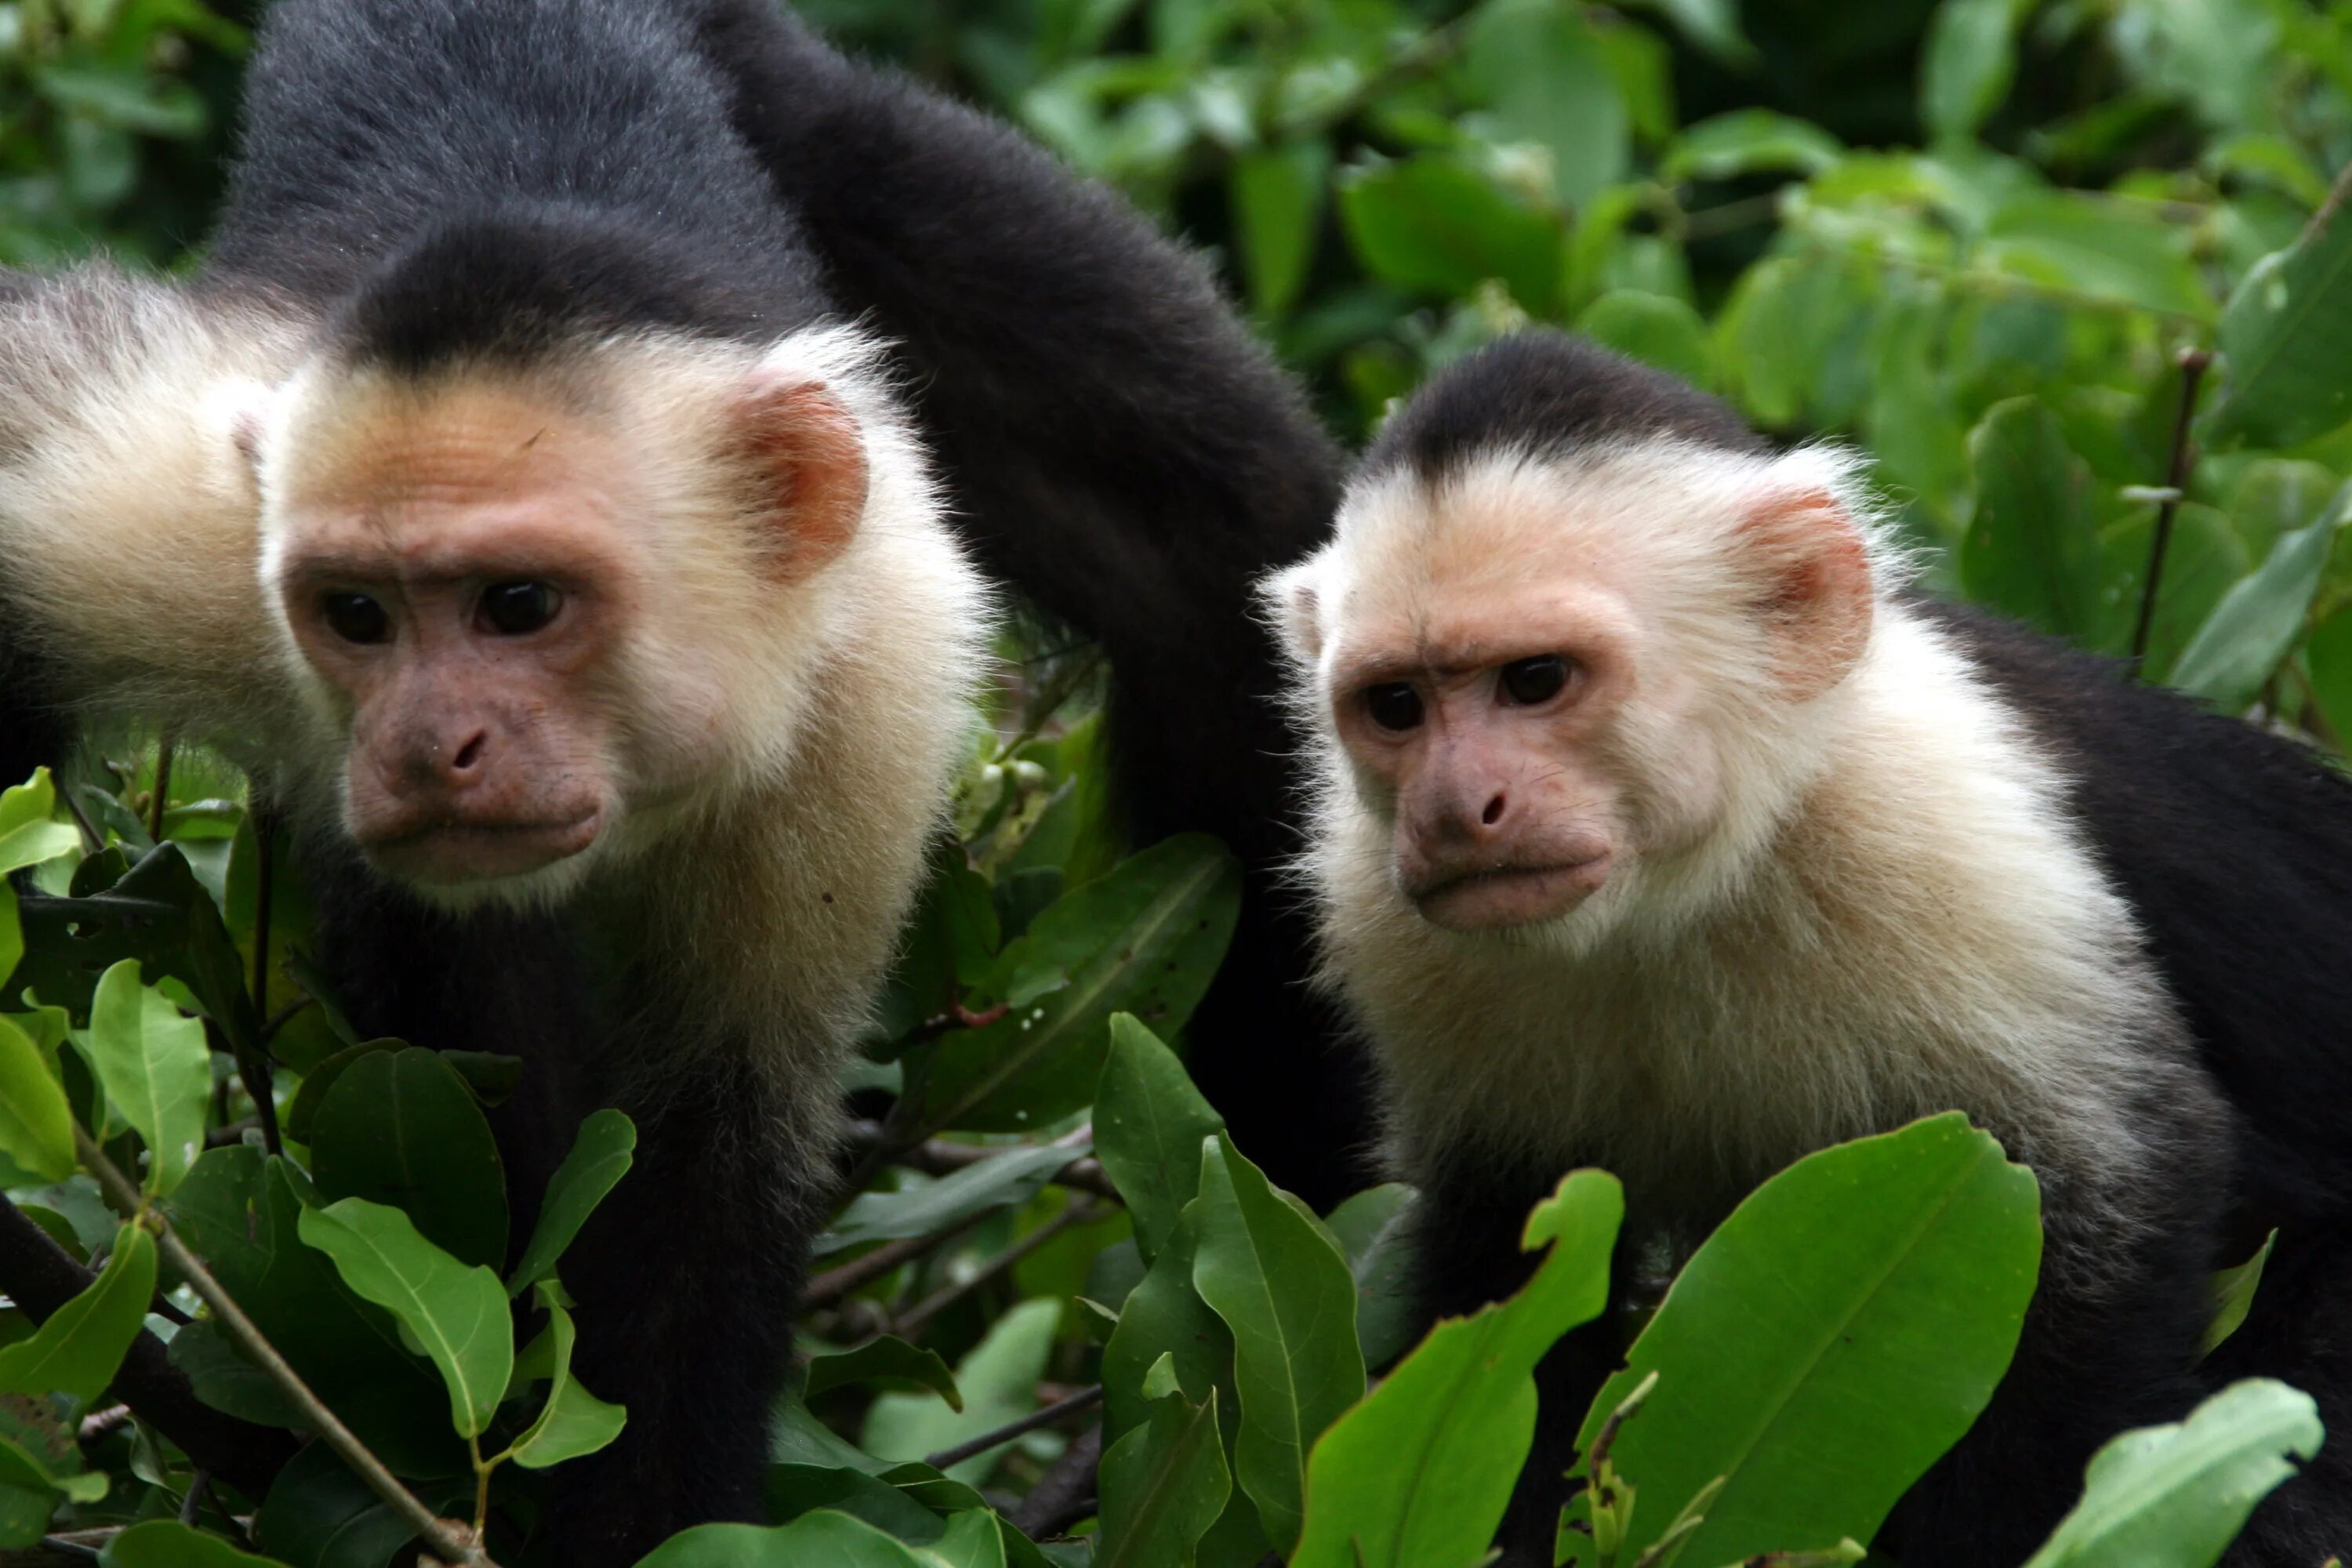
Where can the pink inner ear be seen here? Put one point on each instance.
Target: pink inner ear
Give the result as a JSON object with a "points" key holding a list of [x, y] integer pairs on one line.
{"points": [[1820, 601], [808, 463]]}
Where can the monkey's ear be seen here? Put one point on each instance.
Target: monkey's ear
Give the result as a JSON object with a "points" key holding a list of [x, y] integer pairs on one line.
{"points": [[1816, 596], [1294, 607], [807, 463]]}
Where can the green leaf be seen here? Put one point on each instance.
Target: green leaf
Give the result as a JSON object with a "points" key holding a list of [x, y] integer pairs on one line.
{"points": [[238, 1210], [168, 1544], [458, 1314], [1162, 1485], [28, 836], [2175, 1495], [77, 1351], [1146, 939], [1968, 61], [884, 1359], [2286, 342], [1375, 1228], [1544, 72], [401, 1128], [328, 1072], [1150, 1120], [2259, 618], [1829, 1342], [999, 1380], [159, 913], [1421, 1472], [574, 1421], [1656, 329], [601, 1155], [319, 1515], [1000, 1181], [2234, 1294], [35, 1125], [791, 1491], [835, 1540], [156, 1069], [2077, 241], [1164, 1315], [1748, 141], [1713, 26], [2032, 548], [1278, 204], [1286, 1295], [1431, 225], [225, 1380]]}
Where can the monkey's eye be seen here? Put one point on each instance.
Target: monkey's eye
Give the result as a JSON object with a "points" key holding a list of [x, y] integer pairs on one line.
{"points": [[356, 618], [513, 609], [1393, 705], [1527, 681]]}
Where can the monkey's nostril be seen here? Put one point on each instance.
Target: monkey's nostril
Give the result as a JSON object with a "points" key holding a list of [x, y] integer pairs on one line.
{"points": [[1494, 812], [469, 754]]}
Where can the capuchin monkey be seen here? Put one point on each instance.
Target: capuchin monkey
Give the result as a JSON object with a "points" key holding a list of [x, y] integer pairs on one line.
{"points": [[1660, 826], [509, 494], [600, 634]]}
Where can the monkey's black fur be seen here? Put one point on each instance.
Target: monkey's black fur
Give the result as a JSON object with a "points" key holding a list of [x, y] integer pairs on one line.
{"points": [[447, 179], [2235, 848], [1117, 445]]}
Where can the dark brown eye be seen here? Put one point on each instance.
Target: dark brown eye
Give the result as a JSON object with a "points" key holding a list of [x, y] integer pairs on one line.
{"points": [[1528, 681], [514, 609], [356, 618], [1393, 705]]}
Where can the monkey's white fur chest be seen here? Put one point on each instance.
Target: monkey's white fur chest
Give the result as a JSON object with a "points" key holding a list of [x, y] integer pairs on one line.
{"points": [[1923, 932]]}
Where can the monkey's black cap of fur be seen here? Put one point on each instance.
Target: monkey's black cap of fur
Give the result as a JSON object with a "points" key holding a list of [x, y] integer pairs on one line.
{"points": [[1548, 393]]}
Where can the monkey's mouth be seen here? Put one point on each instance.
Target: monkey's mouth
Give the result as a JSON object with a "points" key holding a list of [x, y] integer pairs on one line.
{"points": [[448, 853], [1504, 896]]}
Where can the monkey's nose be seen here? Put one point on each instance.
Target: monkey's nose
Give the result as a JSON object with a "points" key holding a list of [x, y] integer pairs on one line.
{"points": [[1492, 815], [451, 760]]}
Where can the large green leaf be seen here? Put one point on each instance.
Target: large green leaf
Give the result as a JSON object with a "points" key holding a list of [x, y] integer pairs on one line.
{"points": [[1656, 329], [1163, 1485], [157, 911], [1748, 141], [1146, 939], [401, 1128], [28, 831], [35, 1125], [458, 1314], [1419, 1472], [156, 1069], [573, 1422], [1544, 72], [884, 1359], [998, 1379], [1832, 1338], [998, 1182], [238, 1210], [77, 1351], [1433, 225], [2175, 1495], [36, 1463], [1968, 61], [2286, 341], [601, 1155], [1286, 1297], [835, 1540], [1164, 1315], [168, 1544], [2032, 548], [1150, 1122], [1278, 203], [2108, 250], [319, 1515], [2257, 621]]}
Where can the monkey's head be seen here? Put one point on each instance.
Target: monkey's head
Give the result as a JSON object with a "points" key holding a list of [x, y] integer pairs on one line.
{"points": [[1566, 654], [546, 609]]}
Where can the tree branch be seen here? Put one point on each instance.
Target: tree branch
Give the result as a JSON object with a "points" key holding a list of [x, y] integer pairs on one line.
{"points": [[1066, 1492], [913, 1321], [442, 1537], [40, 1277], [2192, 372], [1084, 1399]]}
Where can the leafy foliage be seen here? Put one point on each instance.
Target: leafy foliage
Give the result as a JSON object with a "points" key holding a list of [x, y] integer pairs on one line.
{"points": [[2096, 341]]}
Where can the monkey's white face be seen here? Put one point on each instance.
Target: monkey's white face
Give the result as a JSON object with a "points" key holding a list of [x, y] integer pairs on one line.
{"points": [[1563, 693]]}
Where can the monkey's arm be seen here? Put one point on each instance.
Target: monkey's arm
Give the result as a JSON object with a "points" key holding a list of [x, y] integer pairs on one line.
{"points": [[1118, 447]]}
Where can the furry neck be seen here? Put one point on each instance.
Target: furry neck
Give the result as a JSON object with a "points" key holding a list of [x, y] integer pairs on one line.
{"points": [[1923, 931]]}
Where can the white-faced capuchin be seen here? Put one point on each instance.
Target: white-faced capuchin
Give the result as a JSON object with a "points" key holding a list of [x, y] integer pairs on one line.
{"points": [[1660, 825]]}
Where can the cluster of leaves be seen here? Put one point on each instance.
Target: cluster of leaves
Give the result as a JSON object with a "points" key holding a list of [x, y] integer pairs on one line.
{"points": [[1157, 1357]]}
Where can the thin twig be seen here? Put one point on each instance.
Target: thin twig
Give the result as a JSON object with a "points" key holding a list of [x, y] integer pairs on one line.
{"points": [[1084, 1399], [913, 1321], [443, 1539], [164, 747], [2192, 374], [190, 1505], [1066, 1493], [831, 1286], [937, 1158]]}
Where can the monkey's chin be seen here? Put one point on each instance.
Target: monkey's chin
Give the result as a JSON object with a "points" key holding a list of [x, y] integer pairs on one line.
{"points": [[464, 858], [1512, 898]]}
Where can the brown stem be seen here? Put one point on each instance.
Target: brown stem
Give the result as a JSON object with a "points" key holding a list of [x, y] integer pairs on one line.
{"points": [[1084, 1399], [2192, 374], [155, 808], [939, 1159], [39, 1278], [913, 1321], [251, 1065], [825, 1288], [439, 1536], [1064, 1494]]}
